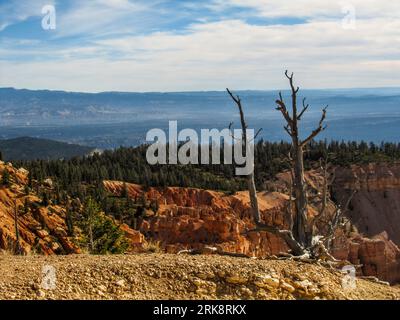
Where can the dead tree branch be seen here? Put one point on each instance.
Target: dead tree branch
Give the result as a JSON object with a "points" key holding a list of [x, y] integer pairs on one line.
{"points": [[318, 130]]}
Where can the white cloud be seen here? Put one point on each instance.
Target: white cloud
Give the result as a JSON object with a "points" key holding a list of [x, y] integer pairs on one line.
{"points": [[315, 9], [224, 53], [97, 17]]}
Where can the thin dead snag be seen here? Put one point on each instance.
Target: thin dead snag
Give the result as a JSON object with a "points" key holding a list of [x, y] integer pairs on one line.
{"points": [[335, 221], [324, 196], [301, 228], [304, 227], [322, 243], [245, 144], [287, 235], [17, 249]]}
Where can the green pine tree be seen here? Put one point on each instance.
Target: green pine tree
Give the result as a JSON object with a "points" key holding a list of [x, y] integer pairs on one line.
{"points": [[101, 234], [5, 180]]}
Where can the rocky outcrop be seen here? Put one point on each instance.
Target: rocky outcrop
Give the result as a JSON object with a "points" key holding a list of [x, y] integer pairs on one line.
{"points": [[135, 238], [375, 211], [376, 206], [41, 229], [194, 218], [377, 256]]}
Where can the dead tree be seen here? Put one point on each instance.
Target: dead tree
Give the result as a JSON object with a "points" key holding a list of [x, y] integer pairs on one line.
{"points": [[250, 178], [331, 222], [301, 226], [287, 235], [303, 237], [17, 241]]}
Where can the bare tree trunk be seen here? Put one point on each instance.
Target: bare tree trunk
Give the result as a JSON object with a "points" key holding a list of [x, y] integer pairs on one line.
{"points": [[300, 219], [302, 228], [17, 247], [253, 198], [250, 178]]}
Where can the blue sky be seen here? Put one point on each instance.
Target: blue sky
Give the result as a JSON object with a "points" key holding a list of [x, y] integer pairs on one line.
{"points": [[160, 45]]}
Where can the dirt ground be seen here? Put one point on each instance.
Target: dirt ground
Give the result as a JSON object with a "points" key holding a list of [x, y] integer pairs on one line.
{"points": [[168, 276]]}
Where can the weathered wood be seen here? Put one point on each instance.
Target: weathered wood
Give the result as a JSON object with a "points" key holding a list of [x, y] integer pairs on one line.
{"points": [[300, 237], [300, 224], [250, 178], [287, 235]]}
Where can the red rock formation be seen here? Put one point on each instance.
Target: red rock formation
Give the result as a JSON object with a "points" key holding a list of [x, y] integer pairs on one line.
{"points": [[40, 229], [378, 256], [194, 218], [376, 206], [135, 238]]}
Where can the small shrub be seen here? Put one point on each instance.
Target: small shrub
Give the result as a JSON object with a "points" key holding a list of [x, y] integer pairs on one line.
{"points": [[153, 246]]}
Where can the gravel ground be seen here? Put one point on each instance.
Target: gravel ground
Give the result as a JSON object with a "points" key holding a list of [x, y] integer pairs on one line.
{"points": [[168, 276]]}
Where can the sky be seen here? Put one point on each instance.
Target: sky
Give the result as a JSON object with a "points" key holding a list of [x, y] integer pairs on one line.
{"points": [[178, 45]]}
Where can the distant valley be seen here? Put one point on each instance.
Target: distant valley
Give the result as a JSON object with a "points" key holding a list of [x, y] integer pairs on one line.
{"points": [[113, 119]]}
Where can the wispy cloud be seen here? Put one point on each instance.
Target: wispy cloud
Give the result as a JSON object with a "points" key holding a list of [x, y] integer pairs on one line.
{"points": [[97, 17], [314, 9], [162, 45]]}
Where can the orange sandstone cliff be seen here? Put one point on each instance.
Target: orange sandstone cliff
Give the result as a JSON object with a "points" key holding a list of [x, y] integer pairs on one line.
{"points": [[41, 229], [376, 206], [194, 218]]}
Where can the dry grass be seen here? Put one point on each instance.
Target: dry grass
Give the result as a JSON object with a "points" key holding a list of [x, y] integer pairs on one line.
{"points": [[152, 246]]}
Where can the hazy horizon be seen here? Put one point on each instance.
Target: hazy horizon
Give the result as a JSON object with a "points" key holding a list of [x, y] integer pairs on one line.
{"points": [[110, 119], [106, 71], [209, 91]]}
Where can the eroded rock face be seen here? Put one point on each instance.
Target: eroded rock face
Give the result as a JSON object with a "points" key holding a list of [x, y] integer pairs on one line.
{"points": [[134, 237], [194, 218], [375, 211], [378, 257], [376, 206], [41, 230]]}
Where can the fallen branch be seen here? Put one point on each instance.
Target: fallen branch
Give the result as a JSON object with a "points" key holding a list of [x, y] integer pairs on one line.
{"points": [[375, 280], [213, 250]]}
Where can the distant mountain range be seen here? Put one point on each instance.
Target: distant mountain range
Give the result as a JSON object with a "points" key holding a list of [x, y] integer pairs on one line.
{"points": [[110, 119], [27, 148], [44, 107]]}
